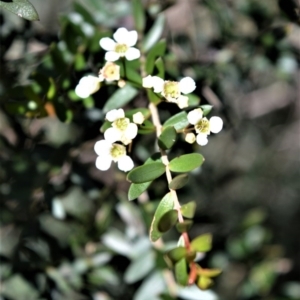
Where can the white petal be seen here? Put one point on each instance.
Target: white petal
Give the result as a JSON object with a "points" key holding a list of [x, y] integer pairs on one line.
{"points": [[190, 138], [148, 82], [202, 139], [121, 35], [215, 124], [138, 118], [183, 101], [132, 53], [81, 91], [194, 116], [115, 114], [112, 135], [131, 131], [125, 163], [132, 38], [103, 163], [187, 85], [112, 56], [158, 84], [107, 44], [102, 147]]}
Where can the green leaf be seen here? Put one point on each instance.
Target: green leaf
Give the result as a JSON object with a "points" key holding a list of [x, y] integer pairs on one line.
{"points": [[206, 109], [136, 189], [202, 243], [179, 181], [138, 15], [165, 205], [186, 162], [146, 172], [157, 50], [120, 98], [179, 121], [167, 138], [177, 254], [204, 282], [22, 8], [146, 128], [194, 100], [209, 272], [168, 220], [154, 33], [159, 64], [181, 273], [154, 98], [188, 209], [184, 226]]}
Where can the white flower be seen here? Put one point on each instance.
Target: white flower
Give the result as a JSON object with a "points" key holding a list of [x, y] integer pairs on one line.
{"points": [[121, 130], [109, 152], [138, 118], [203, 126], [122, 46], [87, 85], [171, 90], [109, 72]]}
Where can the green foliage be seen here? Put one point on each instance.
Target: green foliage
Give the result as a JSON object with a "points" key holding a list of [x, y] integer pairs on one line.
{"points": [[202, 243], [186, 162], [179, 182], [147, 172], [167, 138], [22, 8]]}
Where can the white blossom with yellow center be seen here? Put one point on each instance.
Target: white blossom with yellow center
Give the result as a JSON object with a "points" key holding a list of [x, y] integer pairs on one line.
{"points": [[87, 85], [203, 126], [108, 152], [121, 46], [171, 90], [121, 130], [109, 72]]}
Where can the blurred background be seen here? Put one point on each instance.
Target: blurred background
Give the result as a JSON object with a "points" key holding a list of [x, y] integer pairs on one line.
{"points": [[68, 230]]}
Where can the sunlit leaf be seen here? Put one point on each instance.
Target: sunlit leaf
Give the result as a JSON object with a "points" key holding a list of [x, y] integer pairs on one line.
{"points": [[188, 209], [204, 282], [202, 243], [22, 8], [209, 272], [186, 162]]}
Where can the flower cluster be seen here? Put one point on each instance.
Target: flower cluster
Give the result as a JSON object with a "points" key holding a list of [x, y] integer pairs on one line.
{"points": [[171, 90], [203, 127]]}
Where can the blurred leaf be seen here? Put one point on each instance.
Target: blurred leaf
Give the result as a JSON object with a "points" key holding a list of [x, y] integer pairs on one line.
{"points": [[209, 272], [86, 14], [188, 209], [146, 172], [168, 220], [154, 33], [194, 100], [167, 138], [145, 111], [204, 282], [206, 109], [154, 98], [138, 15], [136, 189], [184, 226], [159, 64], [186, 162], [22, 8], [16, 287], [177, 254], [139, 267], [104, 276], [181, 273], [202, 243], [146, 128], [158, 50], [179, 181], [179, 121], [119, 98], [165, 205]]}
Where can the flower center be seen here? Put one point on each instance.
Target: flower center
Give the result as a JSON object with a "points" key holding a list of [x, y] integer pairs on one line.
{"points": [[121, 49], [202, 126], [121, 124], [171, 89], [117, 151], [109, 71]]}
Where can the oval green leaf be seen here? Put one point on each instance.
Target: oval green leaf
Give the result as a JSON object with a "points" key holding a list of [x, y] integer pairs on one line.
{"points": [[22, 8], [136, 189], [181, 273], [202, 243], [154, 98], [188, 209], [179, 121], [120, 98], [156, 51], [204, 283], [167, 138], [186, 162], [168, 220], [184, 226], [166, 204], [179, 181], [146, 172], [209, 272], [177, 254]]}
